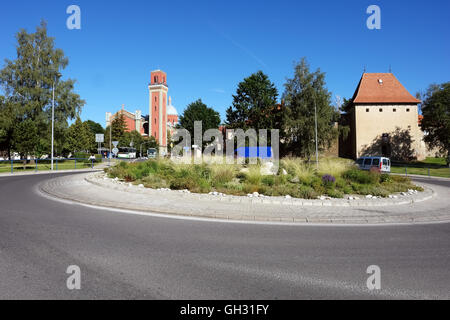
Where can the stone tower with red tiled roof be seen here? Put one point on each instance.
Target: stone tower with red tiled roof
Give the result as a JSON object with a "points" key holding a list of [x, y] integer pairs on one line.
{"points": [[383, 120]]}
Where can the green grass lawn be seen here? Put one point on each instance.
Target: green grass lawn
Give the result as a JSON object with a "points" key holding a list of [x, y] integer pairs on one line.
{"points": [[5, 167], [437, 167]]}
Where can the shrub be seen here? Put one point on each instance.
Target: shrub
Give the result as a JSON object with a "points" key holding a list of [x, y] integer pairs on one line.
{"points": [[268, 180], [306, 192], [317, 185], [334, 193], [328, 180], [360, 176], [155, 182]]}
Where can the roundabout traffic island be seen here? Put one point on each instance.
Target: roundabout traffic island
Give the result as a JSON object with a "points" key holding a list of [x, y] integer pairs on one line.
{"points": [[97, 189]]}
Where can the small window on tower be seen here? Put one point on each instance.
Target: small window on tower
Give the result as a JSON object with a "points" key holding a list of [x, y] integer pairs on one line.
{"points": [[407, 110], [395, 110], [381, 110], [367, 110]]}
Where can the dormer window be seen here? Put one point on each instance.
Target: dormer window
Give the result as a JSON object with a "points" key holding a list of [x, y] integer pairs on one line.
{"points": [[380, 81]]}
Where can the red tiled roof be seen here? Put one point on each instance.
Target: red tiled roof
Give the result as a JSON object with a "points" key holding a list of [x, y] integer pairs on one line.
{"points": [[382, 88]]}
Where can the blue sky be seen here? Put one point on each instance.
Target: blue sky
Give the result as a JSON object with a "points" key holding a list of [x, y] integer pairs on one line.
{"points": [[208, 47]]}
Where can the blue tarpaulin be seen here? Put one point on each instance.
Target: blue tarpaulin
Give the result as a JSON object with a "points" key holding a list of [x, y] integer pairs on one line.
{"points": [[254, 152]]}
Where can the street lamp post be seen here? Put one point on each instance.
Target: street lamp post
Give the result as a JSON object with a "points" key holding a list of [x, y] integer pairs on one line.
{"points": [[317, 142], [53, 115]]}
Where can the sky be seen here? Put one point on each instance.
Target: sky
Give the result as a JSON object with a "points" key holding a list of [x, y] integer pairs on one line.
{"points": [[208, 47]]}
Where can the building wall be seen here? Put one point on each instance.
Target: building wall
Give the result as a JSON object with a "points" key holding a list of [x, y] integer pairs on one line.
{"points": [[134, 121], [173, 119], [369, 126]]}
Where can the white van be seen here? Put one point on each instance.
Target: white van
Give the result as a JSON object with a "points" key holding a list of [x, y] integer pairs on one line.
{"points": [[381, 163]]}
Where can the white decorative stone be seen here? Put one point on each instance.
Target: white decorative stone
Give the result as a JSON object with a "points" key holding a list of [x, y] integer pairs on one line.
{"points": [[369, 196]]}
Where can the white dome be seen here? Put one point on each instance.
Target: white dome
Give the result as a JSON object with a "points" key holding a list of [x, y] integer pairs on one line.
{"points": [[171, 111]]}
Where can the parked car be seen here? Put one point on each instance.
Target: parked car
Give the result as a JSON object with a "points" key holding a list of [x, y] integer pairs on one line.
{"points": [[381, 163], [152, 153]]}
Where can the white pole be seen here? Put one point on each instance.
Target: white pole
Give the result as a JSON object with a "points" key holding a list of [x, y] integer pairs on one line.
{"points": [[53, 119], [317, 142], [110, 138]]}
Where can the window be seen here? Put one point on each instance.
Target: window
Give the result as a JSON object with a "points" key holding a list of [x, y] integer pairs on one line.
{"points": [[155, 99], [367, 162], [367, 110], [155, 79], [395, 110], [381, 110], [360, 161], [385, 162], [407, 110], [376, 162]]}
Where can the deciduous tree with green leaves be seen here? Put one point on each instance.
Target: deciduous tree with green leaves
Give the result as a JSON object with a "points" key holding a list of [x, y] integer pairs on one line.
{"points": [[305, 91], [436, 117], [27, 84]]}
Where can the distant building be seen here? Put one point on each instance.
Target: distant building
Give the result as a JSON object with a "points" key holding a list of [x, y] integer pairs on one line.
{"points": [[383, 120], [134, 121], [172, 117], [162, 117]]}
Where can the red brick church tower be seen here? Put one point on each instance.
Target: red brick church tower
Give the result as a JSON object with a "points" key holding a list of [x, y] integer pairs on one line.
{"points": [[158, 108]]}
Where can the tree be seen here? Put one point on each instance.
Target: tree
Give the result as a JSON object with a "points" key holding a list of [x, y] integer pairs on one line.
{"points": [[6, 125], [303, 93], [198, 111], [255, 104], [95, 127], [27, 83], [345, 109], [436, 117], [116, 130], [79, 137]]}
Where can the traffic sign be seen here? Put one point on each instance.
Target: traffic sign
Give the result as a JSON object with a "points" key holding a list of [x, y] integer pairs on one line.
{"points": [[115, 151], [115, 143], [99, 138]]}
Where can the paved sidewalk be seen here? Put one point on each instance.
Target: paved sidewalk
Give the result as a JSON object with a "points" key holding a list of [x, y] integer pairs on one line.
{"points": [[95, 189]]}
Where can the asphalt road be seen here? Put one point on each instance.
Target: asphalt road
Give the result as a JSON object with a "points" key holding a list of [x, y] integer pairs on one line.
{"points": [[124, 256]]}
